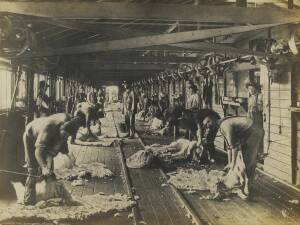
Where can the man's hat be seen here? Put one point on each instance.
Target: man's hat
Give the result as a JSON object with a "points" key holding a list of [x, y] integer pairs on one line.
{"points": [[126, 83], [193, 87], [251, 83]]}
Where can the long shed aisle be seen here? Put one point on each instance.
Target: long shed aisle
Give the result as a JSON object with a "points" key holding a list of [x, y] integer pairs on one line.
{"points": [[156, 202], [110, 157], [272, 204]]}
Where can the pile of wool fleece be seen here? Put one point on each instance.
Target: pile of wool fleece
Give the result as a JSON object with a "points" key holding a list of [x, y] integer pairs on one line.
{"points": [[83, 136], [97, 136], [108, 128], [156, 124], [179, 146], [63, 161], [140, 159], [96, 169], [177, 150], [140, 115], [198, 180], [45, 190], [79, 209]]}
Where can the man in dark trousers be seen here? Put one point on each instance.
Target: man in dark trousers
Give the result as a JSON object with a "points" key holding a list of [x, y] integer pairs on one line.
{"points": [[129, 109], [43, 139], [42, 101], [172, 114], [204, 125]]}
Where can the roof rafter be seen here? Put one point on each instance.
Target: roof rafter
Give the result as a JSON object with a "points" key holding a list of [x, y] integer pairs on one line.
{"points": [[147, 41], [175, 12]]}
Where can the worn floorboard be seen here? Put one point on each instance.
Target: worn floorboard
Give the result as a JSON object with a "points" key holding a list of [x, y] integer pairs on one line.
{"points": [[157, 204]]}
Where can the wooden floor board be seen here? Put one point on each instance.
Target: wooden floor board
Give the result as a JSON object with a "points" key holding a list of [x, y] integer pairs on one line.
{"points": [[158, 204]]}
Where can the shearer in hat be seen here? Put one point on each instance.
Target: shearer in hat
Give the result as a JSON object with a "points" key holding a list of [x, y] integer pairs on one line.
{"points": [[255, 103], [130, 101], [255, 109]]}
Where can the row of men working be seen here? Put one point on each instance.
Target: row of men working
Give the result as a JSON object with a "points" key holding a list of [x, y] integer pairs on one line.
{"points": [[242, 135], [43, 103], [190, 113], [45, 137]]}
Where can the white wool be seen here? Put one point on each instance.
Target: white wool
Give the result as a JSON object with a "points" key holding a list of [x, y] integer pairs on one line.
{"points": [[236, 176], [200, 180], [235, 181], [140, 159], [140, 115], [96, 169], [176, 150], [80, 209], [181, 147], [45, 190], [156, 124], [62, 161]]}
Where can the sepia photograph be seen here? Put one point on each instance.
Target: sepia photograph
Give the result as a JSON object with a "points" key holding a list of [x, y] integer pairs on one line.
{"points": [[149, 112]]}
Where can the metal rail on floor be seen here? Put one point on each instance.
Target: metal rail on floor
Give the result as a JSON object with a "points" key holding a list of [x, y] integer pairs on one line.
{"points": [[191, 212], [135, 210]]}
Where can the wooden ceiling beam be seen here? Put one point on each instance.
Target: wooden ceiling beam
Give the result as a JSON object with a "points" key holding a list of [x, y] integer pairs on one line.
{"points": [[153, 11], [147, 41], [218, 48], [133, 59], [122, 67]]}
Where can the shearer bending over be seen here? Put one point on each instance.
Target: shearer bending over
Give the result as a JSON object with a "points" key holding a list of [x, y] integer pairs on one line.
{"points": [[204, 123], [241, 134], [43, 139], [89, 112]]}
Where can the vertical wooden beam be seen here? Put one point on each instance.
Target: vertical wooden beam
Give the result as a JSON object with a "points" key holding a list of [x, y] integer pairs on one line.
{"points": [[241, 3], [290, 4], [30, 94]]}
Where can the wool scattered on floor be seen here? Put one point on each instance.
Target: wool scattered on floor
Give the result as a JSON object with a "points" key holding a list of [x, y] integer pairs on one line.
{"points": [[97, 138], [140, 159], [78, 209], [156, 124], [45, 190], [106, 130], [199, 180], [177, 150], [219, 183], [83, 171]]}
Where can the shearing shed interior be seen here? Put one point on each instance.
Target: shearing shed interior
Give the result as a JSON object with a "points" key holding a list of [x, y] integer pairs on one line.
{"points": [[157, 112]]}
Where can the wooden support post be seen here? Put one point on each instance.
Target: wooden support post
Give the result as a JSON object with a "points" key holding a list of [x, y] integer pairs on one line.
{"points": [[241, 3], [30, 95], [290, 4], [174, 133]]}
